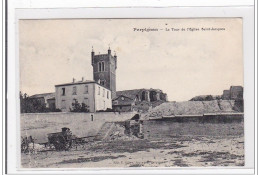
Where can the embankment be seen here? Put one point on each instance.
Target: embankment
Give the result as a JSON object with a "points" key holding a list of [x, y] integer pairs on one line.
{"points": [[192, 108]]}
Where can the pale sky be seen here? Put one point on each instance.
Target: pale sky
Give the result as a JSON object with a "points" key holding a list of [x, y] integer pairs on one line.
{"points": [[183, 64]]}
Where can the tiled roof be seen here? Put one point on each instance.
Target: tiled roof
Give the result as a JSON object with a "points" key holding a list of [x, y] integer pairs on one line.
{"points": [[51, 95], [123, 100], [77, 82], [129, 93]]}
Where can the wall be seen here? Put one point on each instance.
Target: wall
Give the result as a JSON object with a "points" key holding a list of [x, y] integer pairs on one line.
{"points": [[126, 108], [195, 126], [102, 102], [38, 125]]}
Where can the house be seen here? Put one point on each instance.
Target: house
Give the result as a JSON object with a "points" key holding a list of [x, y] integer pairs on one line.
{"points": [[94, 95], [138, 99], [45, 98]]}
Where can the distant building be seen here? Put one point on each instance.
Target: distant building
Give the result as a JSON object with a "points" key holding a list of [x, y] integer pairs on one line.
{"points": [[95, 96], [226, 95], [46, 99], [138, 99], [234, 93]]}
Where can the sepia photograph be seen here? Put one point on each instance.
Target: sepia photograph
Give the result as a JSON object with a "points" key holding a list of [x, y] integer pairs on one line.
{"points": [[121, 93]]}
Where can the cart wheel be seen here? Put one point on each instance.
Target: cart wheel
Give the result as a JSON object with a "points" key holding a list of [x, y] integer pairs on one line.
{"points": [[59, 143], [68, 145]]}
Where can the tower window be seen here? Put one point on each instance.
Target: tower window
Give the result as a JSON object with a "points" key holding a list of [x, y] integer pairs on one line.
{"points": [[107, 94], [98, 90], [74, 90], [63, 91], [101, 66], [102, 82]]}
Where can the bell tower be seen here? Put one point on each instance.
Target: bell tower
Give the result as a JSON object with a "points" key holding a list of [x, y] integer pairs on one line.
{"points": [[104, 70]]}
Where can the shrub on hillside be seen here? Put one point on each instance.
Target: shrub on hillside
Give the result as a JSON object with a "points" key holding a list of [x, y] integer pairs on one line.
{"points": [[77, 107], [107, 110]]}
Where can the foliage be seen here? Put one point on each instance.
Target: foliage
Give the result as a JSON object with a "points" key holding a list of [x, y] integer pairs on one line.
{"points": [[107, 110], [77, 107], [32, 105], [202, 98]]}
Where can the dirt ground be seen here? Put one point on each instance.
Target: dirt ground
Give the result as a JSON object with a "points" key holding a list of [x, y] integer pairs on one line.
{"points": [[182, 151]]}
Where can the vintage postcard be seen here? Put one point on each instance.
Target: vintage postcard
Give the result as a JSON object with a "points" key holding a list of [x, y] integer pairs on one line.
{"points": [[119, 93]]}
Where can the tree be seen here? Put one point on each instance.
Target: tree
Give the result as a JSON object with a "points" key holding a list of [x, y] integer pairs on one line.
{"points": [[77, 107], [32, 105]]}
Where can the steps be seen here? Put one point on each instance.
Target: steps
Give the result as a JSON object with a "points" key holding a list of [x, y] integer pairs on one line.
{"points": [[104, 131]]}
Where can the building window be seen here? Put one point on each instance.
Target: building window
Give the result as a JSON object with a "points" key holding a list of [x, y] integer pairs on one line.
{"points": [[63, 104], [122, 98], [86, 89], [86, 101], [63, 91], [107, 94], [101, 66], [74, 91], [102, 82], [103, 92], [98, 90]]}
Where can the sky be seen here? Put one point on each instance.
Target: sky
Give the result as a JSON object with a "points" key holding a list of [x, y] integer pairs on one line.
{"points": [[183, 63]]}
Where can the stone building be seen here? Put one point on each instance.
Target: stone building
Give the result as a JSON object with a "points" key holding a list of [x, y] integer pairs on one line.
{"points": [[94, 95], [104, 70], [138, 99], [45, 98], [234, 93]]}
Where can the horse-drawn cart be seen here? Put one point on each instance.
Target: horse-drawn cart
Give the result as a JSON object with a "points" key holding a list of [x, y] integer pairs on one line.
{"points": [[61, 140]]}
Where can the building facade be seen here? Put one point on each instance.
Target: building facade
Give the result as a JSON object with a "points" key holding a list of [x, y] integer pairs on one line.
{"points": [[138, 99], [104, 70], [45, 99], [234, 93], [95, 96]]}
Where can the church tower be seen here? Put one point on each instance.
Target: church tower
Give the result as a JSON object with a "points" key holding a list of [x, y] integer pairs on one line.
{"points": [[104, 70]]}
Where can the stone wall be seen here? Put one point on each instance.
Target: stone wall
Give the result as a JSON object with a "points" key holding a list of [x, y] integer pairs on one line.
{"points": [[38, 125]]}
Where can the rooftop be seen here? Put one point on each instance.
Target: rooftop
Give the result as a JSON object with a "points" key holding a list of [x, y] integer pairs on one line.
{"points": [[76, 82], [80, 82], [51, 94]]}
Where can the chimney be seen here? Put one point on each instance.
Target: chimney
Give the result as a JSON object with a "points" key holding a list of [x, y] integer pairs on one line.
{"points": [[92, 56], [109, 51], [82, 79], [73, 80]]}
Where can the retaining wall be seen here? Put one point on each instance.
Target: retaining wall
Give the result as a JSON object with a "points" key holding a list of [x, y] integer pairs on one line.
{"points": [[219, 125], [38, 125]]}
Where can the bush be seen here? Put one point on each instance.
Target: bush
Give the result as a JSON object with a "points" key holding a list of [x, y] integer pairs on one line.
{"points": [[31, 105], [107, 110], [77, 107]]}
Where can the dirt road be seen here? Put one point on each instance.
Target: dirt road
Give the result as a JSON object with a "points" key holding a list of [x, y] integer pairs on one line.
{"points": [[184, 151]]}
